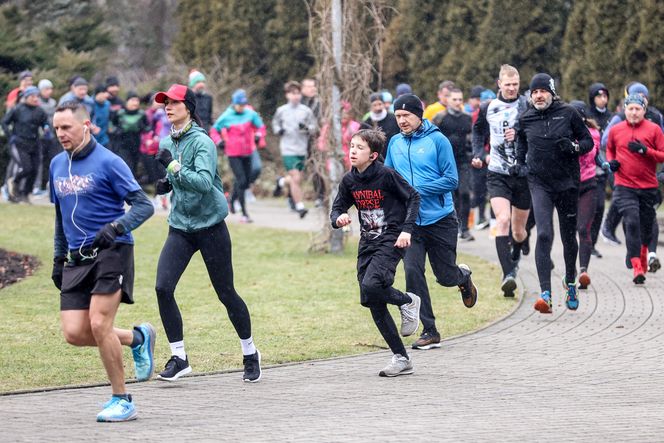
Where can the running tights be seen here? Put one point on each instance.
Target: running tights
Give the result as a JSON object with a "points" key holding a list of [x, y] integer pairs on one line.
{"points": [[215, 246], [544, 200]]}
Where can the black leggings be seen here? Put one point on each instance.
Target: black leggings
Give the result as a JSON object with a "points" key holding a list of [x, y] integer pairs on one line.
{"points": [[587, 208], [215, 246], [241, 167], [544, 200], [375, 273], [27, 158]]}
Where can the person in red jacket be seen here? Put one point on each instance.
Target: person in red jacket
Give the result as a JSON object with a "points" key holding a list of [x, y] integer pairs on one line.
{"points": [[634, 148]]}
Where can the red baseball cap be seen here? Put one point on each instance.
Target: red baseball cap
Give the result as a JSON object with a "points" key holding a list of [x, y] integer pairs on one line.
{"points": [[175, 92]]}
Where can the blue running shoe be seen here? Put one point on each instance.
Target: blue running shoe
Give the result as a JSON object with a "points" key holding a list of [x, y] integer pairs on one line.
{"points": [[117, 409], [571, 300], [144, 353], [543, 304]]}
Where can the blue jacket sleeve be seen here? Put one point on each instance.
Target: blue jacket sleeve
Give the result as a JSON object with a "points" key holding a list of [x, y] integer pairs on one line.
{"points": [[141, 210], [605, 135], [449, 178]]}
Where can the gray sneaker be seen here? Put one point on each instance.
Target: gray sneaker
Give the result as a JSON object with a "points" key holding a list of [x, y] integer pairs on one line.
{"points": [[410, 315], [399, 365]]}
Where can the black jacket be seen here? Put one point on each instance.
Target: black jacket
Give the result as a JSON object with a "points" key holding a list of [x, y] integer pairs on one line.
{"points": [[457, 127], [204, 109], [388, 125], [537, 147], [25, 121], [386, 203]]}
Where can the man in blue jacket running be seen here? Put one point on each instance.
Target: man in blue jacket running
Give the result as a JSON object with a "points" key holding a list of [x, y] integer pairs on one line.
{"points": [[424, 157]]}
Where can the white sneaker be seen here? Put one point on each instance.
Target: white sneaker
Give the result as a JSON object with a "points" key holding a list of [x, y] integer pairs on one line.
{"points": [[399, 365], [249, 196], [410, 315]]}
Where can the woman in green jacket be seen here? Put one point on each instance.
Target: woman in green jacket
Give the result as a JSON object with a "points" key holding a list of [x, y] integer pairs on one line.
{"points": [[196, 223]]}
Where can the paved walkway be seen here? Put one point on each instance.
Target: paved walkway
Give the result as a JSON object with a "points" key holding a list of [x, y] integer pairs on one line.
{"points": [[589, 375]]}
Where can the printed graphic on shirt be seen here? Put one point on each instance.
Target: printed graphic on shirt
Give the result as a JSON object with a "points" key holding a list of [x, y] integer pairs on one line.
{"points": [[369, 203], [501, 116], [373, 223], [75, 184]]}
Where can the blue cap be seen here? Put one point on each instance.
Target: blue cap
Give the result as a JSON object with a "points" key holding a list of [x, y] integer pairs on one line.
{"points": [[387, 97], [30, 90], [638, 88], [487, 94], [239, 97], [404, 88]]}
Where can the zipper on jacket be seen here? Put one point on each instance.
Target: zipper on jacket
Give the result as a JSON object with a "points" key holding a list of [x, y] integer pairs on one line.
{"points": [[412, 175]]}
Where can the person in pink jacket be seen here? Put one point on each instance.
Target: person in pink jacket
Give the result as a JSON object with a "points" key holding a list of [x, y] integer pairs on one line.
{"points": [[588, 195], [348, 128], [238, 130]]}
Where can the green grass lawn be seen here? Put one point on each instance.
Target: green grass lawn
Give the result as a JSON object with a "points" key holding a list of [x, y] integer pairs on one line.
{"points": [[303, 306]]}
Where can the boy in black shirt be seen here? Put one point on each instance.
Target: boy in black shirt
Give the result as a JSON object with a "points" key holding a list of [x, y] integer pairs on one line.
{"points": [[388, 207]]}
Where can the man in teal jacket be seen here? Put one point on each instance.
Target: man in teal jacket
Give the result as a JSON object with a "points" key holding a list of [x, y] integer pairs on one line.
{"points": [[424, 157]]}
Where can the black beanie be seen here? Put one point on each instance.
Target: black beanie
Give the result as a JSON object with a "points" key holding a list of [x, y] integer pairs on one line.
{"points": [[543, 81], [410, 103], [476, 91]]}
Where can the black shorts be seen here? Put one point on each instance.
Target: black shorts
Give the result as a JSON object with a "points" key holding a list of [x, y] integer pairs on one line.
{"points": [[515, 189], [111, 270], [378, 263]]}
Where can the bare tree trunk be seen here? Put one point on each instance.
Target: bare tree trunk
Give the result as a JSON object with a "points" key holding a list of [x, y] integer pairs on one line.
{"points": [[346, 38]]}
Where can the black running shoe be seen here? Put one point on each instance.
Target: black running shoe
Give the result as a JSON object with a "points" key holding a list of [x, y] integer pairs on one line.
{"points": [[508, 285], [175, 368], [595, 253], [277, 189], [525, 247], [302, 212], [252, 367], [428, 340], [653, 264]]}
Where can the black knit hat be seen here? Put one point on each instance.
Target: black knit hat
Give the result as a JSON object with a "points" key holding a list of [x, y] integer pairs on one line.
{"points": [[543, 81], [476, 91], [410, 103]]}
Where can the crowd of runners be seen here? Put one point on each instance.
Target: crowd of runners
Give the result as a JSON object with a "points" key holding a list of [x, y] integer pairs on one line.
{"points": [[419, 176]]}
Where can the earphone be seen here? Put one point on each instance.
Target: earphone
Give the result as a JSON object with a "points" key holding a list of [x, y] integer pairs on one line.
{"points": [[71, 181]]}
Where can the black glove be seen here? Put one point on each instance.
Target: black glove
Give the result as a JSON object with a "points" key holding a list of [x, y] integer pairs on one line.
{"points": [[302, 126], [163, 186], [58, 268], [281, 132], [567, 146], [105, 238], [221, 145], [257, 138], [614, 165], [518, 170], [164, 157], [637, 147]]}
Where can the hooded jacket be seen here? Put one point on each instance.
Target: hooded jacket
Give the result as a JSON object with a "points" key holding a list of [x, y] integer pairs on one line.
{"points": [[386, 204], [536, 145], [602, 118], [426, 160], [198, 200]]}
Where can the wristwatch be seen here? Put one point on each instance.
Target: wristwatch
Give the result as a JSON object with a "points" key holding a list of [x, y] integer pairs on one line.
{"points": [[118, 228]]}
